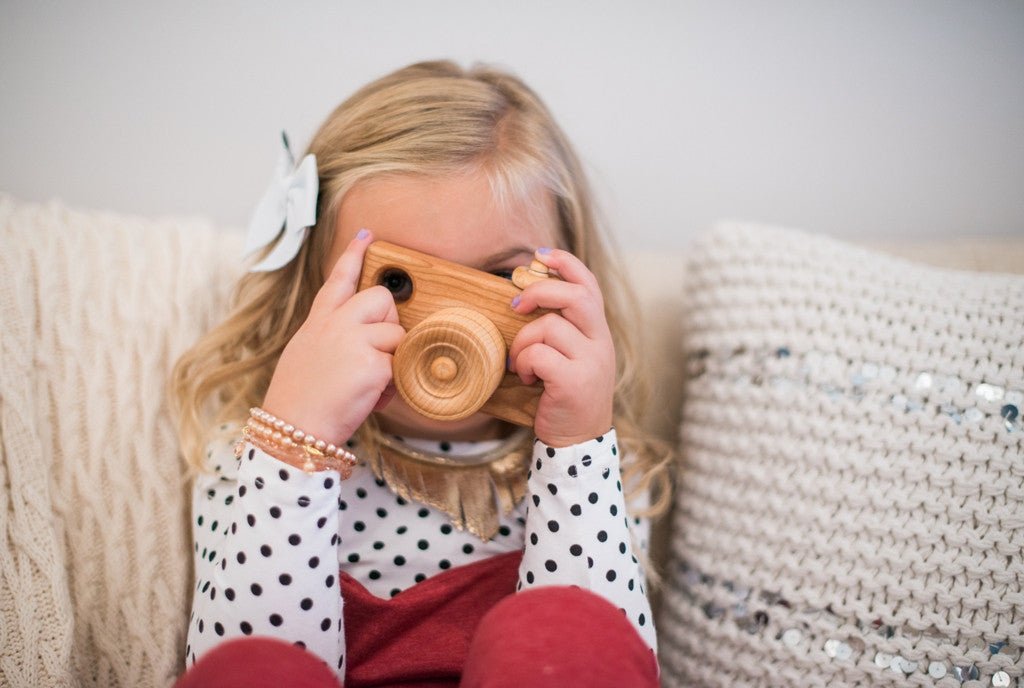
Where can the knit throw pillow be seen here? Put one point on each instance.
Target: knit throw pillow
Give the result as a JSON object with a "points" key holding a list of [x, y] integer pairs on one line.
{"points": [[850, 507]]}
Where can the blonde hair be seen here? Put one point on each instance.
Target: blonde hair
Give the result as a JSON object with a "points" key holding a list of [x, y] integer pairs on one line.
{"points": [[431, 118]]}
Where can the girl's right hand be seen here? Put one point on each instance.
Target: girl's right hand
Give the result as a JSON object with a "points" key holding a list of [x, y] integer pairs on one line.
{"points": [[336, 369]]}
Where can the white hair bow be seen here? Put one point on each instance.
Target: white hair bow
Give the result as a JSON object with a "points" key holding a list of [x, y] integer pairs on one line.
{"points": [[289, 201]]}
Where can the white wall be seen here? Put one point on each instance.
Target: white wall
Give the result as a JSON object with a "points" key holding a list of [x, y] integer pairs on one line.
{"points": [[857, 118]]}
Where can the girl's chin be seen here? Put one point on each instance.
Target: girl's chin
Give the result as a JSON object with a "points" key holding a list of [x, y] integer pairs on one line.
{"points": [[399, 419]]}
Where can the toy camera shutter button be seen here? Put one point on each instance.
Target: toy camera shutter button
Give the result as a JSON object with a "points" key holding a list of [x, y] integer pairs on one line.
{"points": [[449, 364]]}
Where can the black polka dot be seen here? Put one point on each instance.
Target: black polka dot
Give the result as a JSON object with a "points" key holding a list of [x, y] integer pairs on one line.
{"points": [[505, 531], [359, 526], [199, 520], [400, 501], [536, 500], [299, 643], [229, 593], [539, 464], [592, 498], [328, 483], [229, 500], [382, 512], [283, 474], [325, 624], [306, 604], [552, 488], [294, 539], [590, 562], [275, 511], [276, 620], [240, 557], [266, 551], [630, 584], [218, 628], [642, 619], [361, 493], [615, 450], [423, 544], [622, 547], [353, 558], [251, 453], [201, 626], [446, 529], [444, 564], [533, 538], [378, 545], [572, 471], [614, 510], [550, 565], [329, 582], [610, 575], [234, 528], [420, 577], [284, 579], [575, 510], [605, 473], [206, 586], [342, 504], [401, 529], [251, 520], [246, 627], [575, 550], [468, 548], [602, 536], [303, 501], [256, 589], [335, 539], [586, 460], [553, 526], [241, 490], [258, 482], [399, 560], [374, 574], [394, 591], [551, 453], [529, 577], [423, 513]]}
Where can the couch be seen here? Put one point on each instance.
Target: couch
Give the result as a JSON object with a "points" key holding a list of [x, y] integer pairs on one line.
{"points": [[850, 457]]}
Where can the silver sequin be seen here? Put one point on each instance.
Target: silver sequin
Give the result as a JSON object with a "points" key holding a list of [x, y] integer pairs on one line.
{"points": [[937, 669], [1001, 679], [792, 636]]}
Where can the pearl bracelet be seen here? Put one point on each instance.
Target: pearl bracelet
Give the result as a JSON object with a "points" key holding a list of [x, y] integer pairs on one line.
{"points": [[287, 443]]}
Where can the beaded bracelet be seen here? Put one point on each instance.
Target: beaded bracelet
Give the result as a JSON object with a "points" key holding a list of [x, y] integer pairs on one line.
{"points": [[287, 443]]}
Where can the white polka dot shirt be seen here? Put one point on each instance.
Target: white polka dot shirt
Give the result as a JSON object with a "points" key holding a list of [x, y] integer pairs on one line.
{"points": [[270, 539]]}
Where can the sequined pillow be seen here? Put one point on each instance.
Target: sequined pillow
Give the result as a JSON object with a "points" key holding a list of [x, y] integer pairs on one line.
{"points": [[851, 496]]}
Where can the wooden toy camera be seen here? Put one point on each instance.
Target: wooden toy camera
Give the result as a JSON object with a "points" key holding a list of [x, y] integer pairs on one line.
{"points": [[459, 326]]}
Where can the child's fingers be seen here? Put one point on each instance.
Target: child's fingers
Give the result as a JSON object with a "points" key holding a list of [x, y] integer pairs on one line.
{"points": [[343, 279], [579, 305], [569, 267], [385, 336], [553, 330], [539, 361]]}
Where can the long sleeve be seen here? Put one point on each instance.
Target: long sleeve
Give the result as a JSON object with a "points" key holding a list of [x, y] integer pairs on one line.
{"points": [[266, 562], [577, 529]]}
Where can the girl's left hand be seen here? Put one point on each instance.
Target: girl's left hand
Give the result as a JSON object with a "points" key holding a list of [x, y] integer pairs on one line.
{"points": [[570, 350]]}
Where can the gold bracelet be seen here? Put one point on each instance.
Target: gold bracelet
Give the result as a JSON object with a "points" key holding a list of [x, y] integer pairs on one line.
{"points": [[287, 443]]}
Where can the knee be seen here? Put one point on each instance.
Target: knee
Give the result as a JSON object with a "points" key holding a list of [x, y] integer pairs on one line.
{"points": [[558, 636], [256, 662]]}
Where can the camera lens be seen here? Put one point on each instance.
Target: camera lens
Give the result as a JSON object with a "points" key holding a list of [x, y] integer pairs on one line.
{"points": [[398, 283]]}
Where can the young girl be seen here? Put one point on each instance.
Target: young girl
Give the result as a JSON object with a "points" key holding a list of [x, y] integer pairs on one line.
{"points": [[408, 550]]}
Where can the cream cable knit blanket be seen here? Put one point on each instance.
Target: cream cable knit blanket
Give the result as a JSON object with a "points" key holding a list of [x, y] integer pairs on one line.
{"points": [[94, 560]]}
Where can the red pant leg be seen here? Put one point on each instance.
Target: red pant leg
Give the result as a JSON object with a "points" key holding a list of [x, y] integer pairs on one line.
{"points": [[258, 663], [553, 637]]}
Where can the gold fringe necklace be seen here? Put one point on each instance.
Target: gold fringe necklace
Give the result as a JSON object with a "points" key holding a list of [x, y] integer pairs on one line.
{"points": [[474, 490]]}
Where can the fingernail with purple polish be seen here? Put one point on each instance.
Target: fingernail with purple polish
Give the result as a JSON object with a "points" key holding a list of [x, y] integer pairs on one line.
{"points": [[515, 301], [544, 251], [363, 233]]}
